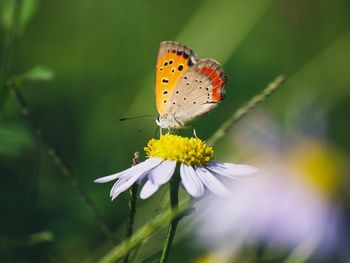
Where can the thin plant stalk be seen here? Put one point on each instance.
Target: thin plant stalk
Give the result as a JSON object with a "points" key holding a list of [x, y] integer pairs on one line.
{"points": [[9, 50], [11, 38], [59, 162], [147, 230], [8, 55], [132, 207], [243, 111], [174, 203]]}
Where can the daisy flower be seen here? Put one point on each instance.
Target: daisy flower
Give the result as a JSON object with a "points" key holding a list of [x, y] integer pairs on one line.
{"points": [[195, 161]]}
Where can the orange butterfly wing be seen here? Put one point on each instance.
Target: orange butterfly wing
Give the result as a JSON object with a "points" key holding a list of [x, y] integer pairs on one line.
{"points": [[173, 61]]}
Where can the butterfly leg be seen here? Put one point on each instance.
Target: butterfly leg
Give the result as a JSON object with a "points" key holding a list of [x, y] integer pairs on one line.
{"points": [[194, 132]]}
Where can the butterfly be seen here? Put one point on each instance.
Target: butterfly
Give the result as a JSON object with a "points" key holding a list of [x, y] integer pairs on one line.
{"points": [[186, 88]]}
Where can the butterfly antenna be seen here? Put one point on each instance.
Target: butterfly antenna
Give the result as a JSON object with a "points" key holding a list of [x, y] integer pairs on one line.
{"points": [[136, 117], [157, 129], [144, 126]]}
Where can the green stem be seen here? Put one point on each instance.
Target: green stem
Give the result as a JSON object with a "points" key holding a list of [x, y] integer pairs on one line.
{"points": [[132, 207], [59, 162], [144, 232], [131, 216], [241, 112], [10, 43], [11, 37], [174, 201]]}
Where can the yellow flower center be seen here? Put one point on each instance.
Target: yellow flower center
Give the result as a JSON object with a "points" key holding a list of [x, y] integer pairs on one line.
{"points": [[320, 165], [190, 151]]}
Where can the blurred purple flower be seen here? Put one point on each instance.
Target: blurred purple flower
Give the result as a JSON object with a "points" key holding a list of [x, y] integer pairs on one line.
{"points": [[275, 208], [290, 204]]}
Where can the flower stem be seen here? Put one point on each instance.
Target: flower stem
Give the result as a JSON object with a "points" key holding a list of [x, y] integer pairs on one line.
{"points": [[144, 232], [174, 201], [132, 207], [241, 112]]}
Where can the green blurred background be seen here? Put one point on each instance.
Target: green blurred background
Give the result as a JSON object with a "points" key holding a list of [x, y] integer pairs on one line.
{"points": [[97, 63]]}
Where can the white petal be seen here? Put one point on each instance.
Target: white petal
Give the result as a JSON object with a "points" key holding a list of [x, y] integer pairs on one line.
{"points": [[148, 189], [112, 177], [232, 170], [125, 184], [191, 181], [127, 181], [163, 172], [146, 165], [211, 182], [128, 172], [117, 184]]}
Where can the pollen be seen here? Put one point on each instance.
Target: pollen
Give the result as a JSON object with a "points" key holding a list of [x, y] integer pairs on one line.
{"points": [[190, 151]]}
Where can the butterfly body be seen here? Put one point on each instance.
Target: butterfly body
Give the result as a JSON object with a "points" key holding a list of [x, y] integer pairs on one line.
{"points": [[186, 87]]}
